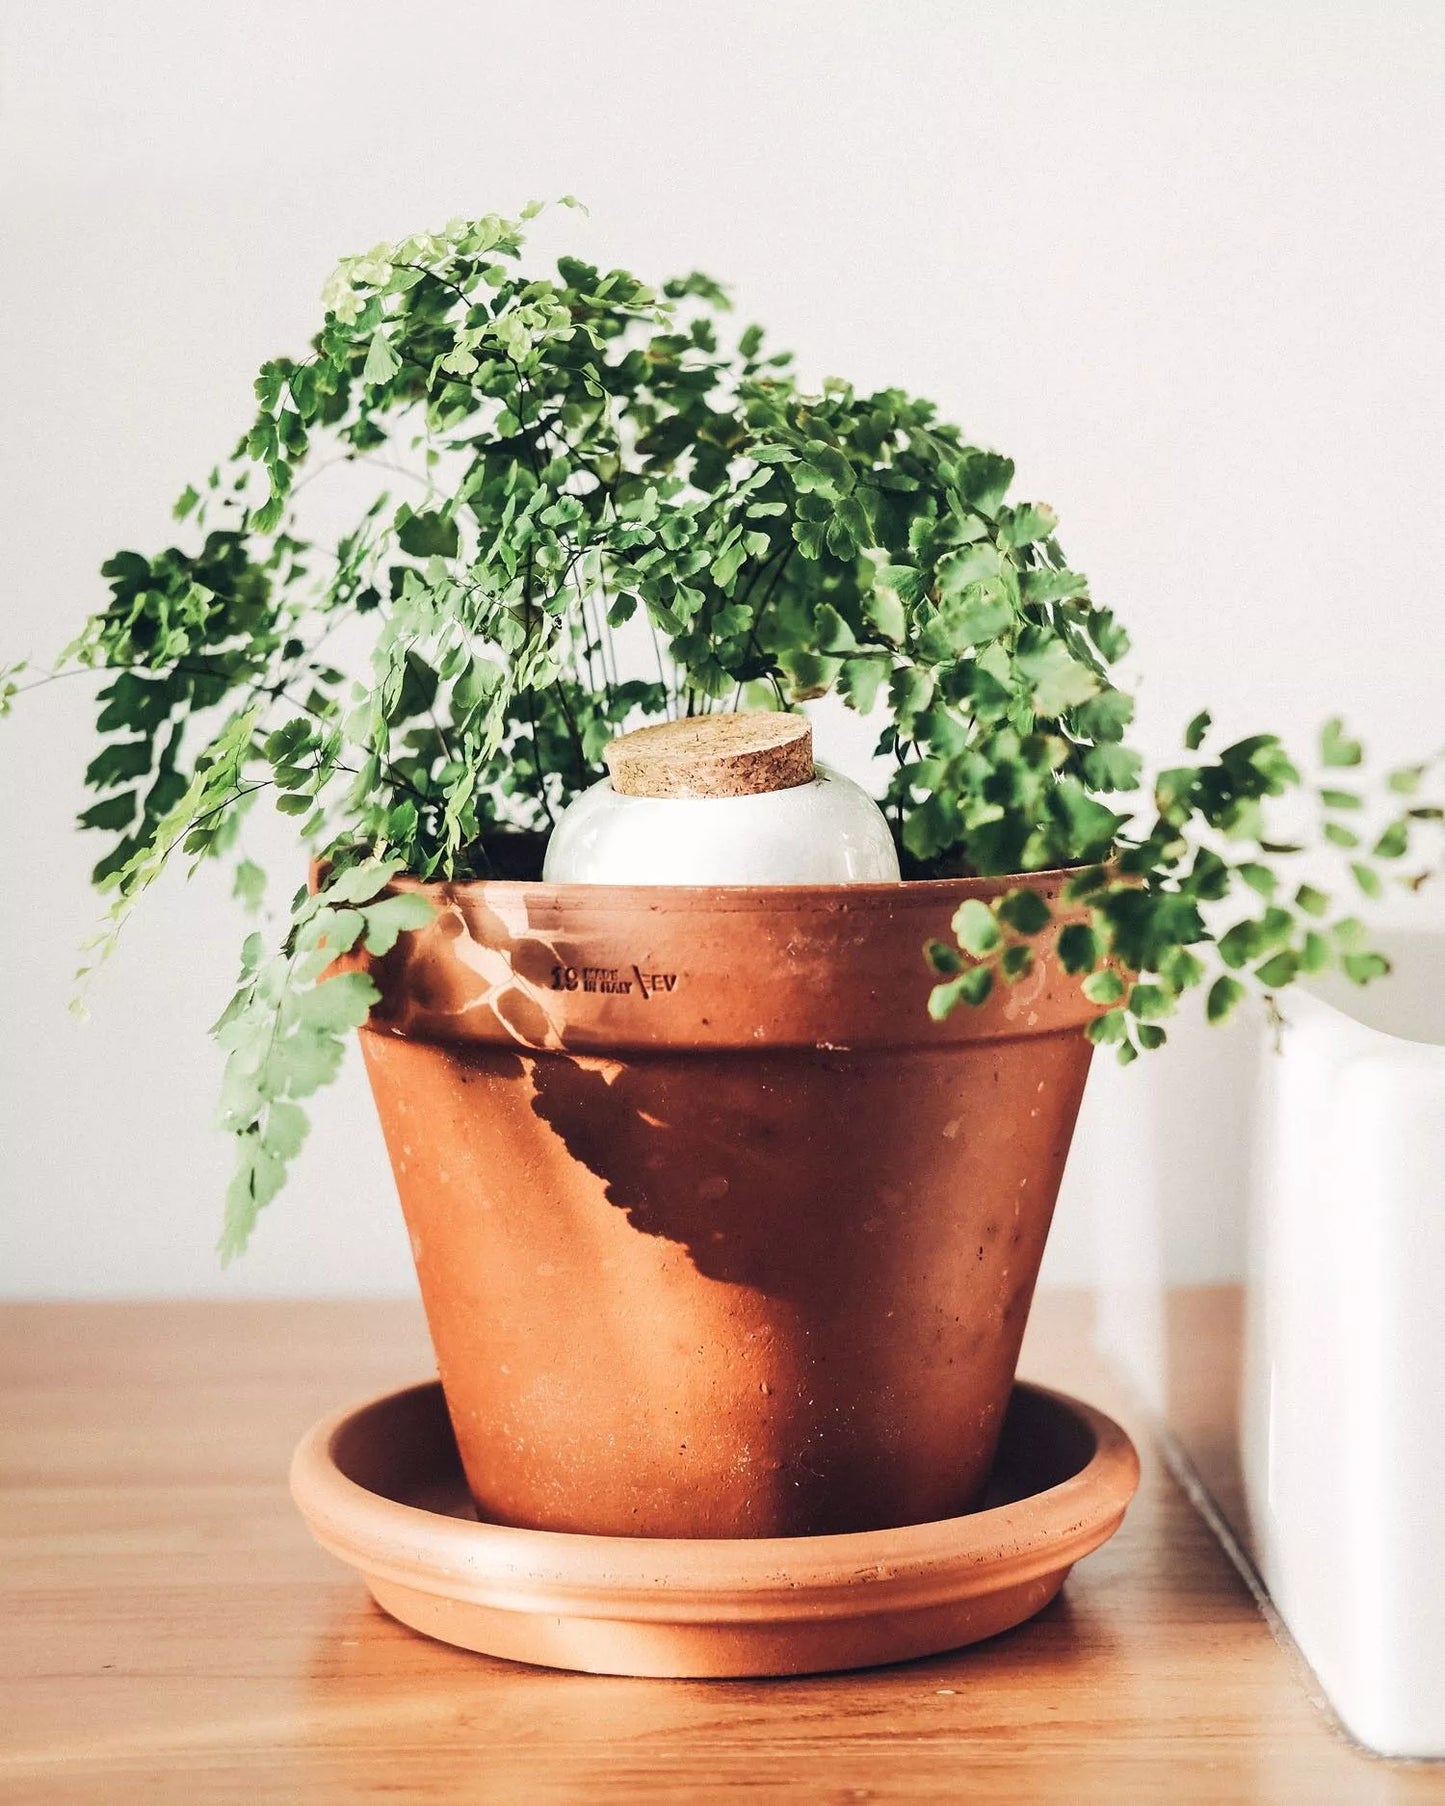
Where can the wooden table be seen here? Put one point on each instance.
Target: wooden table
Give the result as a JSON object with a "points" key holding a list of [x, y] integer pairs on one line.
{"points": [[168, 1632]]}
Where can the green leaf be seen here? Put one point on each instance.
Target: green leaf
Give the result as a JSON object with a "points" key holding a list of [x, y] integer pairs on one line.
{"points": [[1336, 748], [984, 479], [267, 517], [971, 987], [904, 581], [428, 536], [337, 930], [1091, 827], [255, 1182], [931, 829], [1110, 767], [833, 634], [860, 681], [1279, 970], [943, 959], [337, 1003], [727, 564], [1258, 877], [285, 1130], [1078, 948], [1086, 883], [1103, 717], [1368, 879], [968, 568], [1313, 902], [394, 916], [382, 363], [1113, 1027], [1175, 791], [977, 928], [311, 1058], [361, 882], [1225, 994], [1107, 635], [1053, 586], [1394, 842], [249, 889], [974, 620], [1362, 968], [1349, 933], [1104, 987], [883, 609], [1181, 968], [1024, 910], [1197, 729], [1027, 524], [1017, 961], [1058, 681], [1240, 944]]}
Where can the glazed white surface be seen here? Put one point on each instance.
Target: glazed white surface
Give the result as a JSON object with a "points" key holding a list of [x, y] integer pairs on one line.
{"points": [[827, 832], [1344, 1349]]}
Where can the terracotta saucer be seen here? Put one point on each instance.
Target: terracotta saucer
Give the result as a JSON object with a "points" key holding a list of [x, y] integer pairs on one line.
{"points": [[381, 1486]]}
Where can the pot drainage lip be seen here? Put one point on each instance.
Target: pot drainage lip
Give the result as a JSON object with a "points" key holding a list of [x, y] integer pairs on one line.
{"points": [[379, 1485]]}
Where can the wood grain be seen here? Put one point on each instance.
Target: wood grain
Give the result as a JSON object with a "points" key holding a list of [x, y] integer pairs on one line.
{"points": [[168, 1633]]}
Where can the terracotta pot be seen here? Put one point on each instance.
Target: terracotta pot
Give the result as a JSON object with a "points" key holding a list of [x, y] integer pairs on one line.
{"points": [[718, 1234]]}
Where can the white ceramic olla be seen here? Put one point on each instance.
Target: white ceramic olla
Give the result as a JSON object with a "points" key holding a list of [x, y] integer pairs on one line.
{"points": [[721, 799], [1344, 1369], [829, 831]]}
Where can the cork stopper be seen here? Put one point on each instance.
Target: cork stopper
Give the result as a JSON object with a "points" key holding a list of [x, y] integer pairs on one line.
{"points": [[714, 755]]}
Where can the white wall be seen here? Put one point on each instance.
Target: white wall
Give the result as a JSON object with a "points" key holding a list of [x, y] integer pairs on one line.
{"points": [[1183, 262]]}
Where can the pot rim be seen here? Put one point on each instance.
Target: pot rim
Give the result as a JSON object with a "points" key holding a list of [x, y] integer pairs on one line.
{"points": [[927, 893], [702, 1580], [827, 966]]}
